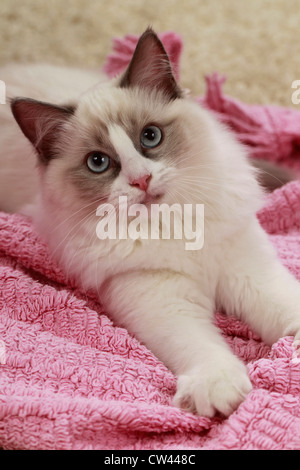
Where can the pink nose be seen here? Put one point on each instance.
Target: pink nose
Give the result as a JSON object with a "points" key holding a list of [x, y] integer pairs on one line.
{"points": [[142, 182]]}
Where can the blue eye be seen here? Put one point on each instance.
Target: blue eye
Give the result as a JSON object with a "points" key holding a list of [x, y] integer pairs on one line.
{"points": [[98, 162], [151, 137]]}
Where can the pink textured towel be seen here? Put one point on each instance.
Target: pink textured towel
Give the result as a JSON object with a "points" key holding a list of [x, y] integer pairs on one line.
{"points": [[70, 379]]}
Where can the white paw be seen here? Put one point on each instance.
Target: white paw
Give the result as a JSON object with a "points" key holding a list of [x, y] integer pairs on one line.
{"points": [[293, 329], [223, 389]]}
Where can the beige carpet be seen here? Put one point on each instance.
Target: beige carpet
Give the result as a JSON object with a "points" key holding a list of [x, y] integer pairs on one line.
{"points": [[254, 42]]}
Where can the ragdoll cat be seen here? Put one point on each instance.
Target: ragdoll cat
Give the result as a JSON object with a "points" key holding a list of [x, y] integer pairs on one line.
{"points": [[138, 136]]}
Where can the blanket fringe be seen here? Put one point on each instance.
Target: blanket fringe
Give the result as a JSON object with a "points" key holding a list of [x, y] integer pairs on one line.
{"points": [[270, 132]]}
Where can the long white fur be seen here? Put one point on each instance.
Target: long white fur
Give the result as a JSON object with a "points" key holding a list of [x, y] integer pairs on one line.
{"points": [[163, 294]]}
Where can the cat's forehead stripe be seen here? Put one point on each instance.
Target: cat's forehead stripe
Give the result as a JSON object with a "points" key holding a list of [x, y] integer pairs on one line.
{"points": [[120, 140], [131, 161]]}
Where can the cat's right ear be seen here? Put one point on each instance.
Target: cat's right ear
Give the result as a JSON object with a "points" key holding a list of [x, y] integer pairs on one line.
{"points": [[150, 68], [41, 122]]}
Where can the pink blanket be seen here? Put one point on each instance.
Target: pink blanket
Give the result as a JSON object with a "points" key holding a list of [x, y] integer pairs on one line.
{"points": [[71, 379]]}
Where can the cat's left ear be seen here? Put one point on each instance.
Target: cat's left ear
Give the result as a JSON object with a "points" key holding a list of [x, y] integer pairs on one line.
{"points": [[150, 67], [41, 123]]}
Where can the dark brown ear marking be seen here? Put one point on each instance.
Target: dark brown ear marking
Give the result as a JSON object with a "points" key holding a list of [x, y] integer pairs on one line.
{"points": [[150, 67], [40, 122]]}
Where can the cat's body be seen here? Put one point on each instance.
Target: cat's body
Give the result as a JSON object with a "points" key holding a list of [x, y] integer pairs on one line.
{"points": [[164, 294]]}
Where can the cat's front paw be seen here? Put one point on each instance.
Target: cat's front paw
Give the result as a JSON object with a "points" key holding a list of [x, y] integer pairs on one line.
{"points": [[294, 330], [223, 390]]}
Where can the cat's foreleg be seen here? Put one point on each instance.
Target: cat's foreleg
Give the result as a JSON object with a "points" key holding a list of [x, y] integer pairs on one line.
{"points": [[257, 288], [166, 312]]}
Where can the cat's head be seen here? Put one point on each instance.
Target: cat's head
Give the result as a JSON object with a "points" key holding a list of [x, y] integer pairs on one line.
{"points": [[136, 136], [124, 137]]}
